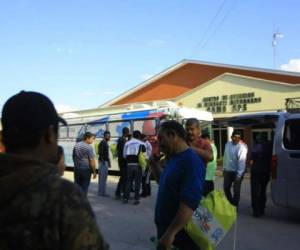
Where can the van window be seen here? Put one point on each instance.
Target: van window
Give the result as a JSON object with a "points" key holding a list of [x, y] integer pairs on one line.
{"points": [[291, 135]]}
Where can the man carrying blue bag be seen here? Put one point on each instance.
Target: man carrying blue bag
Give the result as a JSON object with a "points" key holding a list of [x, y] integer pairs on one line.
{"points": [[180, 187]]}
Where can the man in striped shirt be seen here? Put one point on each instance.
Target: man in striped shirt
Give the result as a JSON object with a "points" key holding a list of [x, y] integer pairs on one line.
{"points": [[84, 162]]}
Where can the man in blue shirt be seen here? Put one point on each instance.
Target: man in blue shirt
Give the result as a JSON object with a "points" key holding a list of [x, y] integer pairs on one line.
{"points": [[180, 186]]}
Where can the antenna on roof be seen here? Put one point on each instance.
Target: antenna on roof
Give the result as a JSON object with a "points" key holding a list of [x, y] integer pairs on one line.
{"points": [[276, 35]]}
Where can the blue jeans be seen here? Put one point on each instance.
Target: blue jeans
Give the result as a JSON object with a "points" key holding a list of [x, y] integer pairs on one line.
{"points": [[82, 178], [103, 172]]}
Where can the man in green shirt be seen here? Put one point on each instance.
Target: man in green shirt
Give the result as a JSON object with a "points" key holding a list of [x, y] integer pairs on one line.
{"points": [[211, 167]]}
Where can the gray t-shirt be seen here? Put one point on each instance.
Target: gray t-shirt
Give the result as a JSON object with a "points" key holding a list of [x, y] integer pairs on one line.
{"points": [[82, 154]]}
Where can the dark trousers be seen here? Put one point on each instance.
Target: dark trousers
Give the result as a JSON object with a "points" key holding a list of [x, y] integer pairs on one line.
{"points": [[259, 182], [122, 180], [146, 183], [208, 187], [231, 181], [182, 242], [82, 178], [134, 173]]}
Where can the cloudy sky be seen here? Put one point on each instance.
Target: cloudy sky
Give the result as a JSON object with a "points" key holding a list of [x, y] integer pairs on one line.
{"points": [[82, 53]]}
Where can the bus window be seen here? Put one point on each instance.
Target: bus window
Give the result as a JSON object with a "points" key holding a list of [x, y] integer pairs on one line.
{"points": [[147, 127], [63, 132], [96, 129], [115, 128], [291, 135], [76, 131]]}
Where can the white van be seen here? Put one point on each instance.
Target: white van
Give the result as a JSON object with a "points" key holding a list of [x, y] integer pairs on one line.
{"points": [[286, 161]]}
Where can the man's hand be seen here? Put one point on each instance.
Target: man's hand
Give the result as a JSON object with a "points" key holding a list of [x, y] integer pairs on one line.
{"points": [[166, 240], [94, 175], [238, 179], [155, 167]]}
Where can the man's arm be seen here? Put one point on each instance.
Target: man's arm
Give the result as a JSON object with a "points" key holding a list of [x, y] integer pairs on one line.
{"points": [[182, 217], [155, 168], [125, 150], [93, 167], [206, 155], [242, 157], [73, 155], [92, 161]]}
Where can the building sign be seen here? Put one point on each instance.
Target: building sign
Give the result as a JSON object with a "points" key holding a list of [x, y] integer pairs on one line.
{"points": [[228, 103]]}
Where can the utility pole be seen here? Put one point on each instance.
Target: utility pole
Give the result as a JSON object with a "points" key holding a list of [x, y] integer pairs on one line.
{"points": [[276, 35]]}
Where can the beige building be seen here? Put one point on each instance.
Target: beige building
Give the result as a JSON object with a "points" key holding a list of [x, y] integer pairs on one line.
{"points": [[224, 90]]}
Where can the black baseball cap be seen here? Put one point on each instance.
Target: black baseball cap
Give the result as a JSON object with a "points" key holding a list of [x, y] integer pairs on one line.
{"points": [[29, 111]]}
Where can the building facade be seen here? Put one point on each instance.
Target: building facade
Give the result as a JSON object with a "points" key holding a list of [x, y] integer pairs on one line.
{"points": [[225, 90]]}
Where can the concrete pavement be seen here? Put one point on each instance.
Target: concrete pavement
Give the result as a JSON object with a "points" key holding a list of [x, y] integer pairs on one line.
{"points": [[129, 227]]}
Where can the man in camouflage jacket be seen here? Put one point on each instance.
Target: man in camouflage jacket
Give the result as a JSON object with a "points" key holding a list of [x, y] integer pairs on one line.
{"points": [[38, 209]]}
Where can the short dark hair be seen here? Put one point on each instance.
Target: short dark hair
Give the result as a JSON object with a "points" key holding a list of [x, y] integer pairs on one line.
{"points": [[237, 133], [125, 130], [88, 135], [143, 136], [192, 121], [106, 133], [205, 136], [173, 127], [136, 134], [26, 117]]}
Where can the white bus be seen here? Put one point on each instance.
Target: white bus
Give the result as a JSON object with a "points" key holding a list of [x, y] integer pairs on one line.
{"points": [[144, 118]]}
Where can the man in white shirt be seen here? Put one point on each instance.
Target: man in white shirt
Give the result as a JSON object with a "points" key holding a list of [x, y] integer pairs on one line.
{"points": [[131, 151], [234, 164]]}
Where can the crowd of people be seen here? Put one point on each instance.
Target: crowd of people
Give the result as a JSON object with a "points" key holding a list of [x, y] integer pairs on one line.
{"points": [[130, 150], [44, 211]]}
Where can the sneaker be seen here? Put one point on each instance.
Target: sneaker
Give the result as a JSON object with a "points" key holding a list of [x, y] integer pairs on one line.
{"points": [[136, 202]]}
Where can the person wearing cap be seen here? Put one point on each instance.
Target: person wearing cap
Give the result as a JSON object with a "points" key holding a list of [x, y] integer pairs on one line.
{"points": [[84, 162], [234, 165], [39, 209]]}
